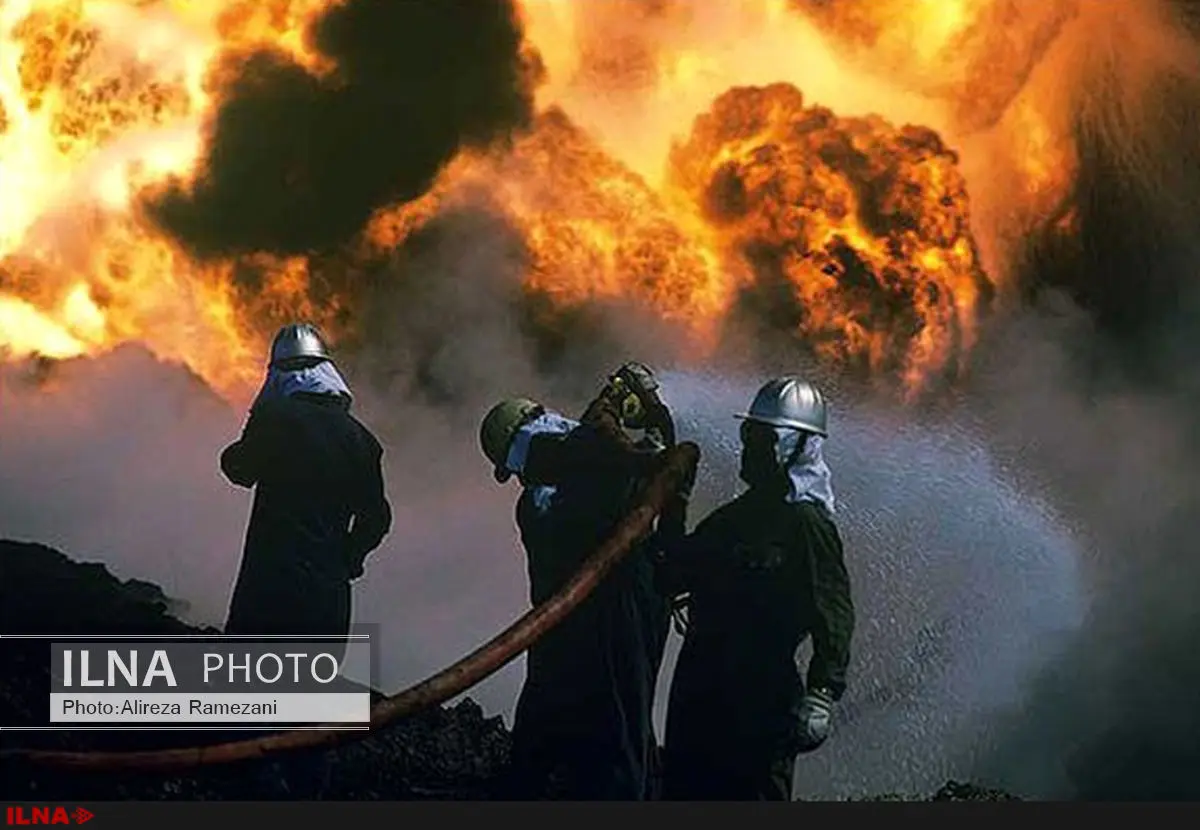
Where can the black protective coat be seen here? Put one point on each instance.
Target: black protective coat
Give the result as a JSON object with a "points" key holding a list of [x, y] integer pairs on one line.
{"points": [[763, 576], [319, 510], [583, 728]]}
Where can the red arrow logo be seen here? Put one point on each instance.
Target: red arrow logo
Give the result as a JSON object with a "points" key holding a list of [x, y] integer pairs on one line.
{"points": [[81, 815]]}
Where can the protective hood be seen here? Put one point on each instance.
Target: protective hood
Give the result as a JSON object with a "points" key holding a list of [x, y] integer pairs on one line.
{"points": [[809, 478], [548, 423], [322, 379]]}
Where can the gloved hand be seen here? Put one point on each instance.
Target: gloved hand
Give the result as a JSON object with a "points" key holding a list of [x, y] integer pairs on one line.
{"points": [[635, 390], [814, 720], [659, 425]]}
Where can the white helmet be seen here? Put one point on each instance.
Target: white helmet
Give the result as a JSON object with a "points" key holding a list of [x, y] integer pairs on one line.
{"points": [[789, 401]]}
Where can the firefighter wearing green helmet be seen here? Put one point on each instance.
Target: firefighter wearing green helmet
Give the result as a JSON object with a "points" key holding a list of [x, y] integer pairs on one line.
{"points": [[583, 725], [499, 427], [760, 575]]}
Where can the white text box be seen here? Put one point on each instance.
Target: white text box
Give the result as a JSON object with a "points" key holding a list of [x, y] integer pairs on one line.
{"points": [[167, 708]]}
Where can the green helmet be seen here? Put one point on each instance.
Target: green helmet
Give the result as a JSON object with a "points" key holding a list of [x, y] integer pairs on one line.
{"points": [[500, 425]]}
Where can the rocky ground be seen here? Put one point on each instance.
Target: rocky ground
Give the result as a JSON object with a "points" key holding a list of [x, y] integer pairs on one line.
{"points": [[449, 753]]}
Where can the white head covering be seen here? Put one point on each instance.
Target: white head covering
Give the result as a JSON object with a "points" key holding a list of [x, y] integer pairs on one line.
{"points": [[809, 478], [548, 423], [321, 379]]}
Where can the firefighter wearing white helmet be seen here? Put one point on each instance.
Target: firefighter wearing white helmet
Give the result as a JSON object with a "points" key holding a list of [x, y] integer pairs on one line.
{"points": [[760, 575], [298, 344], [583, 725], [320, 506], [790, 402]]}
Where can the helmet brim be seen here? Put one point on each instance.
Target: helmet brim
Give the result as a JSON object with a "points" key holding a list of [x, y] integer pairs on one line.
{"points": [[295, 363], [786, 423]]}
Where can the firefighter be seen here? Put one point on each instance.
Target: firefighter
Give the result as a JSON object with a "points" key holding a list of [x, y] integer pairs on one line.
{"points": [[582, 728], [320, 506], [760, 575]]}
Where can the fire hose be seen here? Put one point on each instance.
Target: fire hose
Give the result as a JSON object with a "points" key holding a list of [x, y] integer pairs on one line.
{"points": [[679, 465]]}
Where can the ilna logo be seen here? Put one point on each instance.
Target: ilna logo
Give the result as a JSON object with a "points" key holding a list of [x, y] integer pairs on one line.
{"points": [[46, 815]]}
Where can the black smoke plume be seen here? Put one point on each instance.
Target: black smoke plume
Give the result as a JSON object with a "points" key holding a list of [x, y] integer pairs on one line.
{"points": [[1105, 404], [297, 163]]}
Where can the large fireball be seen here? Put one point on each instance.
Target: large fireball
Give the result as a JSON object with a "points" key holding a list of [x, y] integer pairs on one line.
{"points": [[865, 224]]}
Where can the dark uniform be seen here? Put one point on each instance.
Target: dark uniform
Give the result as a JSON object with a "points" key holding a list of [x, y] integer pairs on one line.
{"points": [[319, 510], [763, 575], [582, 728]]}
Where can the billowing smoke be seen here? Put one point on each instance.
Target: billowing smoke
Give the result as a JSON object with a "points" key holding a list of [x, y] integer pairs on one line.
{"points": [[113, 460], [297, 163], [968, 584], [1095, 393], [1122, 462], [1128, 77]]}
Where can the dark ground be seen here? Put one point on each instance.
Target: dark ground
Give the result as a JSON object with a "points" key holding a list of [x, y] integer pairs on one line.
{"points": [[449, 753]]}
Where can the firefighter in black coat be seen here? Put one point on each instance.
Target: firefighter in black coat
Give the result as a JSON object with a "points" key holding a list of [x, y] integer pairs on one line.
{"points": [[760, 575], [319, 510], [319, 501], [583, 727]]}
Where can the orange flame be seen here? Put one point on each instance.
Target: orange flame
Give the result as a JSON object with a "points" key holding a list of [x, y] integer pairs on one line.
{"points": [[100, 98], [594, 230], [867, 224]]}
